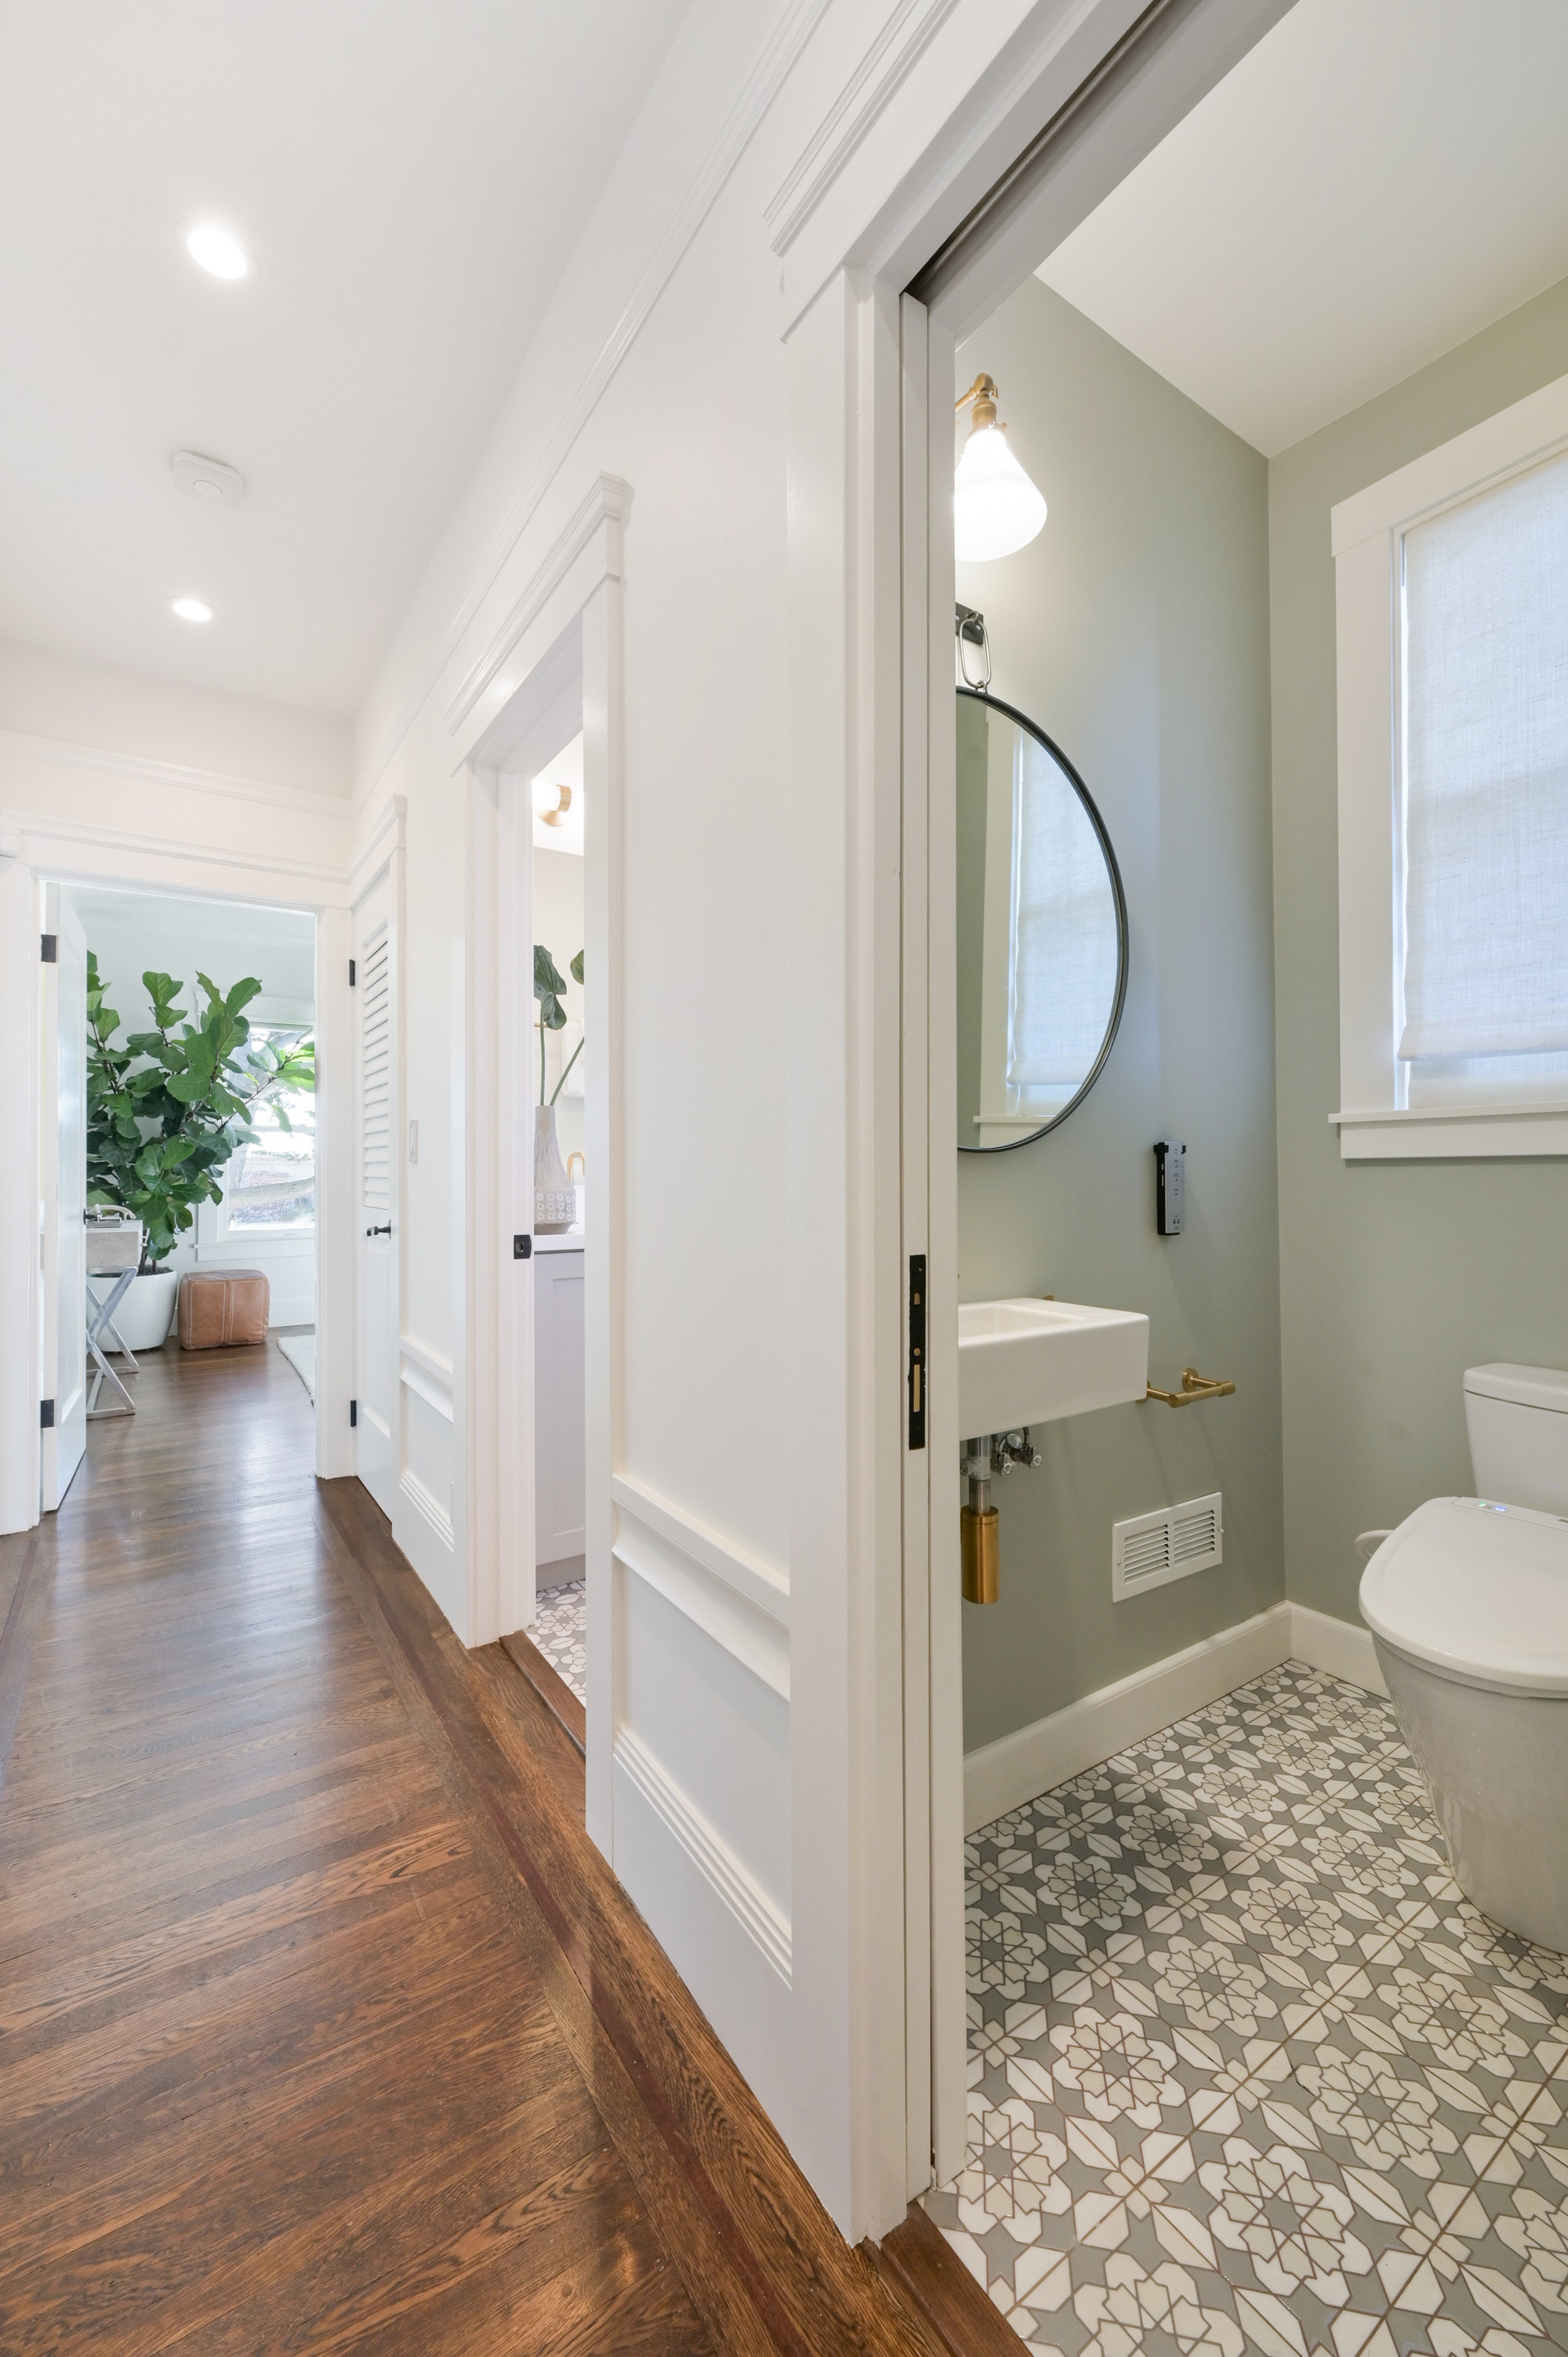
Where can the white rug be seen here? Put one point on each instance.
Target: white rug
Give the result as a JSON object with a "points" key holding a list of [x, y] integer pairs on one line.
{"points": [[299, 1349]]}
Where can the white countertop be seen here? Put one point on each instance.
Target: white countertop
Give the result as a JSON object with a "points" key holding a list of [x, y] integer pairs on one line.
{"points": [[573, 1240]]}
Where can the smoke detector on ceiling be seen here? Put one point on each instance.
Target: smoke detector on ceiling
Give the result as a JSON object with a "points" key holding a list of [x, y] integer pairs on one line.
{"points": [[208, 480]]}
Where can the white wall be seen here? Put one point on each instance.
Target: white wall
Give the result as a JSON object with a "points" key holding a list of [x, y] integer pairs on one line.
{"points": [[62, 699]]}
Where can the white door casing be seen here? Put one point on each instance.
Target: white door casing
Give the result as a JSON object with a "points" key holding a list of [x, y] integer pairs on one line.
{"points": [[64, 1299], [376, 1287]]}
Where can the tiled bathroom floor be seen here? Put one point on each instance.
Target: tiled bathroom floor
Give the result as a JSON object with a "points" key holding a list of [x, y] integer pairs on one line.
{"points": [[1247, 2071], [560, 1632]]}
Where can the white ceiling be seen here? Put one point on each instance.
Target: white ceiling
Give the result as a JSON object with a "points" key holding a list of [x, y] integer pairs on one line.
{"points": [[409, 176], [1376, 181]]}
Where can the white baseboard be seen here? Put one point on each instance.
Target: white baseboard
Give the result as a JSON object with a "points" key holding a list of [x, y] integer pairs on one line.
{"points": [[1016, 1767], [1343, 1647], [1019, 1766]]}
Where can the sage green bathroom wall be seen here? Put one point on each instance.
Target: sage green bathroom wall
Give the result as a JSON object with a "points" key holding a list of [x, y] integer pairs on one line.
{"points": [[1135, 631], [1396, 1276]]}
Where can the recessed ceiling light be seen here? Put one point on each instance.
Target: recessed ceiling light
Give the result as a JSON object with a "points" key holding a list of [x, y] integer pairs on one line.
{"points": [[192, 610], [217, 251]]}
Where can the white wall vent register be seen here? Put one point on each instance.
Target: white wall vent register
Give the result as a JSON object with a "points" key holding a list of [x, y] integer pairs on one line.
{"points": [[1151, 1550]]}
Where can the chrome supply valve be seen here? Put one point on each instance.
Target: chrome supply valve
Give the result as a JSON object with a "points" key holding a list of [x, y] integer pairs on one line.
{"points": [[1010, 1448]]}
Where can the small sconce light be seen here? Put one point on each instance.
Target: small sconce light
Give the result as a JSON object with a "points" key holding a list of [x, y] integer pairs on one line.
{"points": [[551, 803], [996, 508]]}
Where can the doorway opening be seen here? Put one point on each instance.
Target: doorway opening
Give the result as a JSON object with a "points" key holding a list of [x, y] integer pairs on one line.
{"points": [[558, 1071], [1199, 378], [179, 1144]]}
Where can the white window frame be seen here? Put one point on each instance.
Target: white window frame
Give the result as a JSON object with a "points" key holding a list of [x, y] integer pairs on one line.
{"points": [[1375, 1123]]}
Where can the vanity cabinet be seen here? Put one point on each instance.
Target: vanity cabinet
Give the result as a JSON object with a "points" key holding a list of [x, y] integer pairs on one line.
{"points": [[558, 1408]]}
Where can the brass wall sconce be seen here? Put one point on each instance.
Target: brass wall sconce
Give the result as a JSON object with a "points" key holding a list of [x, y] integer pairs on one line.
{"points": [[556, 815]]}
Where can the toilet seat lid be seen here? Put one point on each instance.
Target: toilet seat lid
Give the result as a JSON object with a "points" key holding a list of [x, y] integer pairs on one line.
{"points": [[1475, 1589]]}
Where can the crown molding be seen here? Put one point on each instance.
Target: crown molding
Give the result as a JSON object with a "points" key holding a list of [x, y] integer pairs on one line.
{"points": [[887, 64], [147, 771], [793, 29]]}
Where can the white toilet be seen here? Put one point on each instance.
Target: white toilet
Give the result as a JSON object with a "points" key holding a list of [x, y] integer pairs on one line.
{"points": [[1467, 1602]]}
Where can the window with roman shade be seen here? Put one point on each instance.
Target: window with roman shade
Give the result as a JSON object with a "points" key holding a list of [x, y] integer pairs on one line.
{"points": [[1451, 670], [1486, 778]]}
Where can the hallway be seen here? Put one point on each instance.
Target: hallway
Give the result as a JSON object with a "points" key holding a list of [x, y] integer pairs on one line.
{"points": [[321, 2027]]}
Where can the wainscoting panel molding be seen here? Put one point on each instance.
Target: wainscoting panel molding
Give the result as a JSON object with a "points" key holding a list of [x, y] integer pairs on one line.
{"points": [[720, 1591]]}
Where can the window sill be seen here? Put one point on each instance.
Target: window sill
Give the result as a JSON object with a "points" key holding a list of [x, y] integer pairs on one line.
{"points": [[1449, 1133]]}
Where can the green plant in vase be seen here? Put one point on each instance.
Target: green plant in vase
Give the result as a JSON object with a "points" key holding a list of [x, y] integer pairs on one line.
{"points": [[167, 1108], [550, 989]]}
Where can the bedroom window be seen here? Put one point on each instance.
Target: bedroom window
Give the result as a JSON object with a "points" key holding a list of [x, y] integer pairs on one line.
{"points": [[1452, 580]]}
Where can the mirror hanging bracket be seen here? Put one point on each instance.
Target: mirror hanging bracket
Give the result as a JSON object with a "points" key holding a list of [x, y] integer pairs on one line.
{"points": [[969, 627]]}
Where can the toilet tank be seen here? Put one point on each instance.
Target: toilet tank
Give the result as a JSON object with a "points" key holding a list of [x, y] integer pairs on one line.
{"points": [[1517, 1423]]}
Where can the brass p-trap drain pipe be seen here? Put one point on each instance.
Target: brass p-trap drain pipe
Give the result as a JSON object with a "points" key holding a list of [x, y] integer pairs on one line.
{"points": [[997, 1453]]}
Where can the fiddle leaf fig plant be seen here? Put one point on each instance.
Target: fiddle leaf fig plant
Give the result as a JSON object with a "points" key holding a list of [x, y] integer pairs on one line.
{"points": [[167, 1108], [550, 989]]}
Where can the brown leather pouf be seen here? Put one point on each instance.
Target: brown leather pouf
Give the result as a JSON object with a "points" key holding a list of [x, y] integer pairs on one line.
{"points": [[221, 1305]]}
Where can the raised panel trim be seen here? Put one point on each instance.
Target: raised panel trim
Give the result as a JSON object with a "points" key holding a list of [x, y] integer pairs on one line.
{"points": [[427, 1507], [763, 1922], [420, 1384], [429, 1361], [711, 1599], [757, 1581]]}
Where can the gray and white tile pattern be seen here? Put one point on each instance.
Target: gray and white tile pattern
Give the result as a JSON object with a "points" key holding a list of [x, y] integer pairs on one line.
{"points": [[1247, 2069], [559, 1631]]}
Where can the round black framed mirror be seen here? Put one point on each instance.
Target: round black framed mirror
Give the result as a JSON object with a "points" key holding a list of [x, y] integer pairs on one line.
{"points": [[1042, 931]]}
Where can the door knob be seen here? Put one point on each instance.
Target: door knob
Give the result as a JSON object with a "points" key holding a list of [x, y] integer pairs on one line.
{"points": [[380, 1232]]}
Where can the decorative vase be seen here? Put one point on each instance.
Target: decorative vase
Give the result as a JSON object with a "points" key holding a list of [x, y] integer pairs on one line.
{"points": [[554, 1197]]}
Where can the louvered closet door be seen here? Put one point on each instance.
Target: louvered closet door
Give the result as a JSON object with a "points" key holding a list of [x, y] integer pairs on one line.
{"points": [[375, 1367]]}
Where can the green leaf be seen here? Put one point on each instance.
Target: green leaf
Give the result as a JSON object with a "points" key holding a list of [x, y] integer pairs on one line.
{"points": [[242, 993], [577, 966], [548, 980], [186, 1088]]}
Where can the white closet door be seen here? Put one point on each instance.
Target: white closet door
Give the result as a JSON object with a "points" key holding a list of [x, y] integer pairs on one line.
{"points": [[375, 1452], [65, 1203]]}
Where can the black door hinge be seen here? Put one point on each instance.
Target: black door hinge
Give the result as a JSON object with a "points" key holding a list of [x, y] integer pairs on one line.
{"points": [[916, 1349], [350, 973], [523, 1247], [46, 1416], [353, 1411], [48, 948]]}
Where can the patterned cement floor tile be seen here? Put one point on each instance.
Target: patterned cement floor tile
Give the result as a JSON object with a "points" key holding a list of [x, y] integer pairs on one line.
{"points": [[559, 1631], [1247, 2071]]}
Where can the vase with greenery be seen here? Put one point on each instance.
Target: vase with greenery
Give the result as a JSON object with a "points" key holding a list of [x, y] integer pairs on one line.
{"points": [[554, 1197], [168, 1108]]}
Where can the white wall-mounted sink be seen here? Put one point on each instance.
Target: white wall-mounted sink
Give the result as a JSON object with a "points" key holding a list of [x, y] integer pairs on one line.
{"points": [[1030, 1361]]}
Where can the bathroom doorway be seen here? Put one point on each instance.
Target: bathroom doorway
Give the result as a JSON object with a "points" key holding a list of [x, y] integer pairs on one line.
{"points": [[557, 1083]]}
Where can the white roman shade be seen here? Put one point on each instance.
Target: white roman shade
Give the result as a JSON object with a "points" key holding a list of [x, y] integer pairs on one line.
{"points": [[1065, 941], [1485, 773]]}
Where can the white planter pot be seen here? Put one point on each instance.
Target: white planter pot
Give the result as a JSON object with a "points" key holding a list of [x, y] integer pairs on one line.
{"points": [[146, 1313]]}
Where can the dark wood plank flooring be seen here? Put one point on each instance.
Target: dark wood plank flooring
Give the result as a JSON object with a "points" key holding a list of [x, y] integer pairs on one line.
{"points": [[322, 2025]]}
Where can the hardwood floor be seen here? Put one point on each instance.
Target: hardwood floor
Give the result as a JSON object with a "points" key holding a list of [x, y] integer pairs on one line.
{"points": [[322, 2025]]}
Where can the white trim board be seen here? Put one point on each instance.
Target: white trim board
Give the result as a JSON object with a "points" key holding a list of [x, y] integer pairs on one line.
{"points": [[1002, 1775]]}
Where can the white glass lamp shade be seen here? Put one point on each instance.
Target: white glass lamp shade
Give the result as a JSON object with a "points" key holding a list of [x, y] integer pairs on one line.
{"points": [[996, 508]]}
